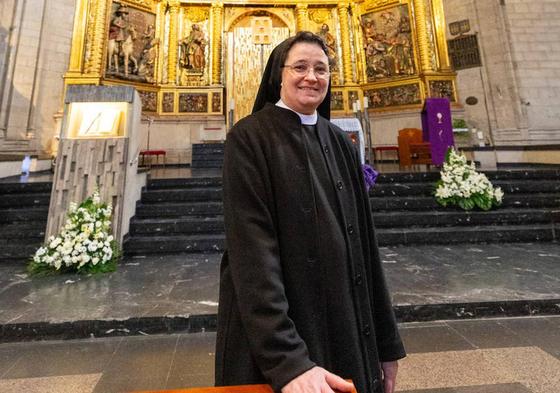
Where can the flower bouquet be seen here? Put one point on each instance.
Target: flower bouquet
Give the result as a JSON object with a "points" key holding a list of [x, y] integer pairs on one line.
{"points": [[462, 185], [85, 244]]}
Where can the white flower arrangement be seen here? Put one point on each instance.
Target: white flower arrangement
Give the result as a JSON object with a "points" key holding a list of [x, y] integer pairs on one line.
{"points": [[462, 185], [85, 244]]}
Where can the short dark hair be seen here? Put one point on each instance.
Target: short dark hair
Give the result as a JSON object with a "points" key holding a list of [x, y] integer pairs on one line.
{"points": [[307, 37]]}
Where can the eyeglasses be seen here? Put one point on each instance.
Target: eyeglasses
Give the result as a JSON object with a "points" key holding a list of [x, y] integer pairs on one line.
{"points": [[320, 71]]}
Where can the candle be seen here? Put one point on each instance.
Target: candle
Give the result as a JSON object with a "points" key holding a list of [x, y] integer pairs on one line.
{"points": [[231, 104], [358, 105], [354, 107], [366, 103]]}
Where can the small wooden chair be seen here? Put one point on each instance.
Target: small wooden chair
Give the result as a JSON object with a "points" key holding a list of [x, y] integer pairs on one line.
{"points": [[412, 149]]}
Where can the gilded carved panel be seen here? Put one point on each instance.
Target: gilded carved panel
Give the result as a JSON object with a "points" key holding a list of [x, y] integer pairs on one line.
{"points": [[132, 48], [149, 100], [322, 21], [394, 96], [388, 43], [193, 102], [216, 102], [249, 61], [194, 48], [168, 101], [442, 89], [337, 101]]}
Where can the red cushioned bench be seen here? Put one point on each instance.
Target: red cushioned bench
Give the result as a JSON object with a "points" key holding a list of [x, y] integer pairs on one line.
{"points": [[150, 153]]}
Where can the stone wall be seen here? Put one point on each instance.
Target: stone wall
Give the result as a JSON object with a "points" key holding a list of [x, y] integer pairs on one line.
{"points": [[518, 86], [35, 38]]}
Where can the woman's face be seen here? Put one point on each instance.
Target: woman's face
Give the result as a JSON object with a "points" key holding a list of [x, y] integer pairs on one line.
{"points": [[304, 93]]}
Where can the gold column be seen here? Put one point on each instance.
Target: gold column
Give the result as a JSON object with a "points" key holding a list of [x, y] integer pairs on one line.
{"points": [[94, 61], [301, 17], [172, 48], [160, 34], [441, 39], [422, 34], [78, 37], [217, 23], [347, 60], [359, 42]]}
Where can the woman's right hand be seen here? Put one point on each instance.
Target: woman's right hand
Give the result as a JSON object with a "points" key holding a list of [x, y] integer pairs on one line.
{"points": [[317, 380]]}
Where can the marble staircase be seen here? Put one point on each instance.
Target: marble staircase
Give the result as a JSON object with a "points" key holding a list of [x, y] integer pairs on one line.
{"points": [[23, 219], [185, 215], [207, 155]]}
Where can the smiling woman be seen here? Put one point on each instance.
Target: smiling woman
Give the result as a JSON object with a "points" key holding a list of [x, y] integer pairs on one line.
{"points": [[301, 276], [302, 90]]}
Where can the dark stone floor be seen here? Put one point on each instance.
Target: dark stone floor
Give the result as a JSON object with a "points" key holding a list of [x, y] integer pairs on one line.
{"points": [[482, 356], [426, 282]]}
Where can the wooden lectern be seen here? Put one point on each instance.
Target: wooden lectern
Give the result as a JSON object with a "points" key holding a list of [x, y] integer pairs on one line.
{"points": [[222, 389], [412, 148]]}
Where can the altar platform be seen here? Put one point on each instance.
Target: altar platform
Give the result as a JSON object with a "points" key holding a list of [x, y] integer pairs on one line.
{"points": [[179, 293]]}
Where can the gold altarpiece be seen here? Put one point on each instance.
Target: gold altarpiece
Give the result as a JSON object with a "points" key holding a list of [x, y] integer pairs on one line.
{"points": [[193, 59]]}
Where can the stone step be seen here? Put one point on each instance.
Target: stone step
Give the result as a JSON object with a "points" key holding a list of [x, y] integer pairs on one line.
{"points": [[182, 195], [23, 230], [156, 210], [25, 200], [449, 218], [19, 253], [207, 163], [476, 234], [429, 203], [438, 219], [212, 148], [145, 245], [417, 177], [24, 214], [426, 188], [169, 226], [20, 188], [194, 182]]}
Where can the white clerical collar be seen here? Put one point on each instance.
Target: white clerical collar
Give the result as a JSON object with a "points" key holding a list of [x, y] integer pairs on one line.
{"points": [[306, 120]]}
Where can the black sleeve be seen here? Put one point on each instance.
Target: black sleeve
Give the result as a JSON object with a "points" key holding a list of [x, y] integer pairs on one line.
{"points": [[255, 264], [389, 343]]}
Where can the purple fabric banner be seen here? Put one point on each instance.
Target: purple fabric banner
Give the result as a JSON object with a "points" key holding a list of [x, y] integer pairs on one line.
{"points": [[437, 127]]}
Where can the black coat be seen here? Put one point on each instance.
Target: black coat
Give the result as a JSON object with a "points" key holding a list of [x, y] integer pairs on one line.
{"points": [[275, 290]]}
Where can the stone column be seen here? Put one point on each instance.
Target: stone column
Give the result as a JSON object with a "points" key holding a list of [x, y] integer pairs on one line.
{"points": [[438, 16], [301, 17], [217, 23], [97, 39], [422, 35], [346, 55], [172, 48]]}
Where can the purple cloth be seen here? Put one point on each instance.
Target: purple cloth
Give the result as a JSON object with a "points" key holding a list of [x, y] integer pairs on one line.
{"points": [[437, 127], [370, 176]]}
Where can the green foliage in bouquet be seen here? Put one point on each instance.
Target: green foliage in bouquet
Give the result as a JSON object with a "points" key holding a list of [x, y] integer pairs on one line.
{"points": [[85, 244], [463, 186]]}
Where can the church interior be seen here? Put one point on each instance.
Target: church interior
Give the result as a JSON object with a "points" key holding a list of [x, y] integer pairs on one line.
{"points": [[134, 99]]}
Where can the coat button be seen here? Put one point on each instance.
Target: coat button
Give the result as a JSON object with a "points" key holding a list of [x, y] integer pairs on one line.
{"points": [[366, 330], [350, 229], [358, 279], [339, 185], [310, 260], [306, 210], [326, 149]]}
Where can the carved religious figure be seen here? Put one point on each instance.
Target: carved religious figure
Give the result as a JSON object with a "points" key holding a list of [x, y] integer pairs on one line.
{"points": [[331, 45], [121, 43], [388, 44], [193, 50]]}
